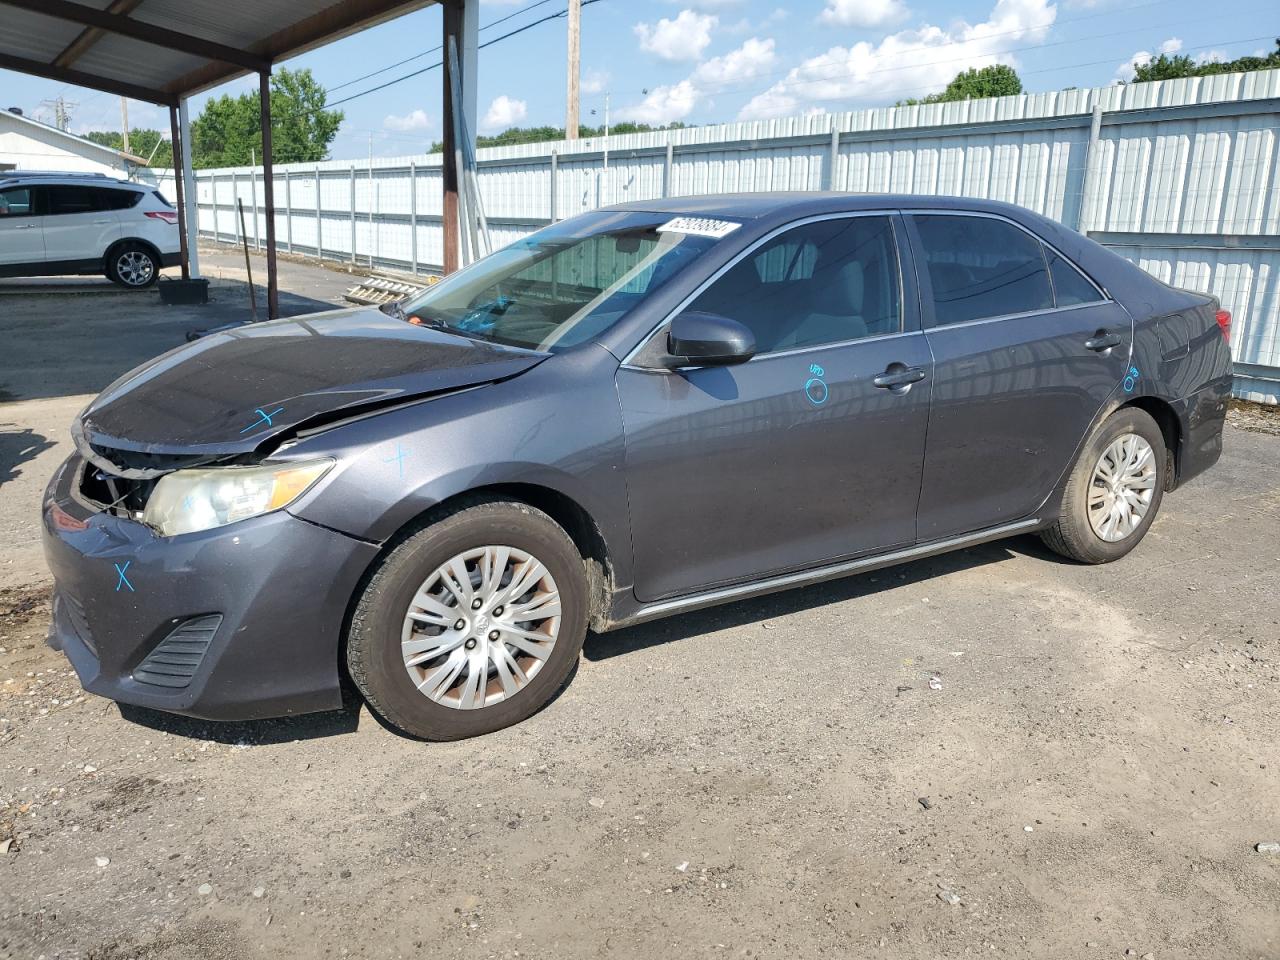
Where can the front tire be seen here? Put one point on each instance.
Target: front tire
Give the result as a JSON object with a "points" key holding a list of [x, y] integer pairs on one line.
{"points": [[133, 266], [471, 624], [1114, 490]]}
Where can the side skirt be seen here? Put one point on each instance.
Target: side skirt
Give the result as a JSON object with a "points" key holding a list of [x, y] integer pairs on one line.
{"points": [[804, 578]]}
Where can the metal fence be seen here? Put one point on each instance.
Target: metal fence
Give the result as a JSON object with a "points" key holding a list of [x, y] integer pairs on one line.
{"points": [[1182, 177]]}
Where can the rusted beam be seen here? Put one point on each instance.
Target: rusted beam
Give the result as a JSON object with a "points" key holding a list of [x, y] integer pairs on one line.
{"points": [[81, 79], [449, 168], [138, 30], [175, 141], [269, 195], [78, 47]]}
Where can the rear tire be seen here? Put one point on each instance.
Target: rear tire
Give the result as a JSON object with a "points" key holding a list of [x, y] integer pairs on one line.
{"points": [[437, 667], [1114, 490], [133, 266]]}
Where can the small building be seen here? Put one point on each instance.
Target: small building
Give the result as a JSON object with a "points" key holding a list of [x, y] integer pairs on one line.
{"points": [[27, 144]]}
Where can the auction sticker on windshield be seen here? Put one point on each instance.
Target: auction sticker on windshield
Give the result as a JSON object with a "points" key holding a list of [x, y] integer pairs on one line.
{"points": [[699, 226]]}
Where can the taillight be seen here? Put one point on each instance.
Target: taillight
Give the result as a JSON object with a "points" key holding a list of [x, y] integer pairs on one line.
{"points": [[1224, 324], [168, 216]]}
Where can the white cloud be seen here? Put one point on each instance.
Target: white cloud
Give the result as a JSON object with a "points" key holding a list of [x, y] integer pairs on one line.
{"points": [[683, 38], [709, 4], [594, 81], [863, 13], [415, 120], [1143, 57], [750, 60], [905, 64], [676, 101], [664, 104], [504, 112]]}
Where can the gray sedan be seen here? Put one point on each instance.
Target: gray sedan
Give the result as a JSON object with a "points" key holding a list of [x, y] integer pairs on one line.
{"points": [[637, 412]]}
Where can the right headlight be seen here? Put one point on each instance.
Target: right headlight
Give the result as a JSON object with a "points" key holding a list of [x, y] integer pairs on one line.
{"points": [[190, 500]]}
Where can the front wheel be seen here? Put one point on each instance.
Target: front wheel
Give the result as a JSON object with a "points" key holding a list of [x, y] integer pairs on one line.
{"points": [[471, 624], [1114, 491]]}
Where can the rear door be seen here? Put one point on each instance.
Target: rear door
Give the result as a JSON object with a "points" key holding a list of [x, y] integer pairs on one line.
{"points": [[21, 239], [797, 457], [1027, 350], [79, 223]]}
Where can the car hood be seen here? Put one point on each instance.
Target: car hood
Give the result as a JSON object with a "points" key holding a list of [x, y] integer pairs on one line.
{"points": [[239, 391]]}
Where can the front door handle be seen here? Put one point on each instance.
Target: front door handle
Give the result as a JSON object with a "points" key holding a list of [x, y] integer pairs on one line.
{"points": [[101, 221], [1103, 341], [898, 375], [24, 226]]}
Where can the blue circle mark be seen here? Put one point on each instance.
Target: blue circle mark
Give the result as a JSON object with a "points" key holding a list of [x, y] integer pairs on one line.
{"points": [[816, 390]]}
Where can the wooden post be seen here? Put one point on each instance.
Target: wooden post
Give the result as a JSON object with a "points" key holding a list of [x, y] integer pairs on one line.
{"points": [[449, 161], [269, 196], [248, 267], [575, 56], [176, 143]]}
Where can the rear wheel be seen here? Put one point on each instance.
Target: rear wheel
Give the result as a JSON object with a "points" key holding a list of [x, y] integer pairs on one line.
{"points": [[471, 624], [1114, 491], [132, 265]]}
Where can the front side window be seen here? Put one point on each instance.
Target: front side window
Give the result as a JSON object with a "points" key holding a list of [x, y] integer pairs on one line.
{"points": [[15, 202], [564, 285], [823, 282], [981, 267]]}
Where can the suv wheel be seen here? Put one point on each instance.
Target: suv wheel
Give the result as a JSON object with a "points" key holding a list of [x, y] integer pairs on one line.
{"points": [[1114, 491], [132, 265], [471, 624]]}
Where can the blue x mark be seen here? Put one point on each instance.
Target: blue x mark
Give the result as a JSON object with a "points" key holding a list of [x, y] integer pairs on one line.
{"points": [[123, 581], [399, 458], [264, 418]]}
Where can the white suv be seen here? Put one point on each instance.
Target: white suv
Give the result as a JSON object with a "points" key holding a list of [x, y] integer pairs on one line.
{"points": [[57, 224]]}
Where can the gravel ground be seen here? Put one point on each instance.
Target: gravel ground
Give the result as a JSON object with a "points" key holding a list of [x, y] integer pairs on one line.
{"points": [[989, 753]]}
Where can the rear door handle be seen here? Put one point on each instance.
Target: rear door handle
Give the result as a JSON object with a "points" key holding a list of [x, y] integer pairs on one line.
{"points": [[24, 226], [101, 221], [899, 376], [1103, 341]]}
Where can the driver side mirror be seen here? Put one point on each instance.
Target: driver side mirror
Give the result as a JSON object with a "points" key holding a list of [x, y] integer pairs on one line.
{"points": [[697, 339]]}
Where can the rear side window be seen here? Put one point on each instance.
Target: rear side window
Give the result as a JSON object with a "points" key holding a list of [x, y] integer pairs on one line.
{"points": [[1069, 285], [161, 197], [15, 202], [981, 267], [66, 199]]}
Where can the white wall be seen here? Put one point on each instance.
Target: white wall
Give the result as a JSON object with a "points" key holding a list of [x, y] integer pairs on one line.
{"points": [[28, 146]]}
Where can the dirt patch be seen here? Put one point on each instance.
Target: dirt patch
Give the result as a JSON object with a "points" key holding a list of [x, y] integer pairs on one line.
{"points": [[1254, 417], [20, 605]]}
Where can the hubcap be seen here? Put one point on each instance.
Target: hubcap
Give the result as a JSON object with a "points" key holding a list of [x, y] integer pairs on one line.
{"points": [[1123, 484], [481, 627], [135, 268]]}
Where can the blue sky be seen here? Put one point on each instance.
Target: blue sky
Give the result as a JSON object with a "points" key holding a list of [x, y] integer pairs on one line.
{"points": [[708, 61]]}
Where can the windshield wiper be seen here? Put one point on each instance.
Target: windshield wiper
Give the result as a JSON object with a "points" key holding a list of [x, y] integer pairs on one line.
{"points": [[393, 309]]}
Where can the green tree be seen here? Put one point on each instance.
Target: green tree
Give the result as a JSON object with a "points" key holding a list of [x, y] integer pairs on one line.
{"points": [[975, 83], [142, 143], [228, 132], [1166, 67]]}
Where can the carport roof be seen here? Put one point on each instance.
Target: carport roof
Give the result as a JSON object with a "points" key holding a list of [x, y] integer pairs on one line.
{"points": [[161, 50]]}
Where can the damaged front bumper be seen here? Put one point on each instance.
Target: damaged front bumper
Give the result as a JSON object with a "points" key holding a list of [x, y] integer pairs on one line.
{"points": [[225, 624]]}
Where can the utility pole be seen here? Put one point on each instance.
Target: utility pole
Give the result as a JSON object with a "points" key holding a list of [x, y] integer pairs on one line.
{"points": [[124, 123], [575, 56]]}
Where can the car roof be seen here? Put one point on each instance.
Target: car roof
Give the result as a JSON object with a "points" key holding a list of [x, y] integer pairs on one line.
{"points": [[755, 206], [16, 177]]}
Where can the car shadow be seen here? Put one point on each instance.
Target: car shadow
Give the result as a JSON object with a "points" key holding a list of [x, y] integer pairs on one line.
{"points": [[19, 446], [249, 733], [604, 646]]}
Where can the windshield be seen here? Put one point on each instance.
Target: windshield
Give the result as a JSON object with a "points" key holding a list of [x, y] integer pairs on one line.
{"points": [[563, 285]]}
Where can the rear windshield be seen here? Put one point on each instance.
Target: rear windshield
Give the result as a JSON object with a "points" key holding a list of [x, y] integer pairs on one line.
{"points": [[564, 285]]}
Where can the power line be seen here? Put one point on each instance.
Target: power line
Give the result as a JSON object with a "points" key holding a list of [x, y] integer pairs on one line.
{"points": [[436, 49]]}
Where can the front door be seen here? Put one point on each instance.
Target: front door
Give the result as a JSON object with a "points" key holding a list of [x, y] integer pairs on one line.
{"points": [[1026, 353], [796, 457], [21, 240]]}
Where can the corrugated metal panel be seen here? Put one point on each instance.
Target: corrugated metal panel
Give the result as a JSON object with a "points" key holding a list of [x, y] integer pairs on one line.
{"points": [[1196, 161]]}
